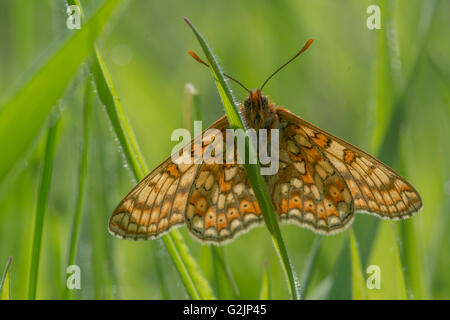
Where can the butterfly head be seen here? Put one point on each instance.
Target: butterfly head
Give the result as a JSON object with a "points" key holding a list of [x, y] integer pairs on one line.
{"points": [[256, 100], [258, 110]]}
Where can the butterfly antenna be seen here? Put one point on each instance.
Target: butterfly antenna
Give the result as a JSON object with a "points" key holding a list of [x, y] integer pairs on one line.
{"points": [[306, 46], [196, 57]]}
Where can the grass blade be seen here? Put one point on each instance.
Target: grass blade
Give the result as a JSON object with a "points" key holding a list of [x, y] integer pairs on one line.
{"points": [[359, 285], [386, 256], [252, 170], [22, 117], [341, 285], [187, 267], [43, 192], [309, 266], [266, 291], [5, 282], [226, 286], [82, 175]]}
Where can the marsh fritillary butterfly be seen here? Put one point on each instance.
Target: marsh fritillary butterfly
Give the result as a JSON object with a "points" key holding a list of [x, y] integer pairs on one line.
{"points": [[321, 183]]}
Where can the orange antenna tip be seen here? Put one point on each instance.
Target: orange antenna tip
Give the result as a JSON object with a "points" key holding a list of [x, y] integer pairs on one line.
{"points": [[307, 44], [196, 57]]}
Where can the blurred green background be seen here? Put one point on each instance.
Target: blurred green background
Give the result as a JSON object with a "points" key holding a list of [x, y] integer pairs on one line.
{"points": [[386, 91]]}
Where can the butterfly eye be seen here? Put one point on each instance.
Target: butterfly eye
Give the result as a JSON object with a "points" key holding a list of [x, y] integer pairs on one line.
{"points": [[264, 101]]}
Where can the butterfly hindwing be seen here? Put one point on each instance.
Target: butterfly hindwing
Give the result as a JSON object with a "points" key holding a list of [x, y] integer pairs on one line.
{"points": [[221, 204], [308, 190]]}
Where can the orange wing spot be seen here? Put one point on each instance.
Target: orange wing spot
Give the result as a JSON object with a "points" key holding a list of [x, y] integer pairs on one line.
{"points": [[335, 194], [295, 202], [313, 155], [321, 213], [307, 178], [257, 209], [284, 205], [296, 158], [200, 206], [321, 140], [310, 206], [330, 207], [173, 170], [339, 183], [221, 221], [210, 218], [246, 207], [232, 213], [349, 156], [223, 185], [200, 203]]}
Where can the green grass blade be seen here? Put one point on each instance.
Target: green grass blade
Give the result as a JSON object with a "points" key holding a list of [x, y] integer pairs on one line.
{"points": [[386, 256], [341, 286], [309, 266], [5, 282], [200, 283], [109, 97], [43, 192], [159, 270], [266, 291], [226, 286], [252, 170], [187, 267], [24, 114], [358, 284], [82, 175]]}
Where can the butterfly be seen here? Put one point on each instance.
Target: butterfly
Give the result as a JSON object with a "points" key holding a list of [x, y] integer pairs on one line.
{"points": [[321, 183]]}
